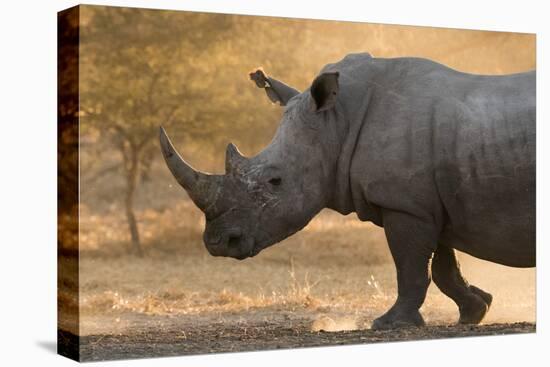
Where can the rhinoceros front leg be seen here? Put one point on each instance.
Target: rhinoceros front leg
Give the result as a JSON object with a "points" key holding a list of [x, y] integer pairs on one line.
{"points": [[412, 242], [473, 303]]}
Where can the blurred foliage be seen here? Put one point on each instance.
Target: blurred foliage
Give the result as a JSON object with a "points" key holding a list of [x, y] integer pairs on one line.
{"points": [[135, 69], [67, 132], [143, 68], [189, 72]]}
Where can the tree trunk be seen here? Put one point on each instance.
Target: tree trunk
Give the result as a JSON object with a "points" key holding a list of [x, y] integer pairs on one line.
{"points": [[131, 181]]}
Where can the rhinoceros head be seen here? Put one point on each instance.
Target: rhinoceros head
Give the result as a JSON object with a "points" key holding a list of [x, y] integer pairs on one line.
{"points": [[261, 200]]}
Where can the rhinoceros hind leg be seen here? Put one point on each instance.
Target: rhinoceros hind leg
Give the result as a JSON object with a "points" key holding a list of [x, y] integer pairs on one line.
{"points": [[412, 242], [473, 303]]}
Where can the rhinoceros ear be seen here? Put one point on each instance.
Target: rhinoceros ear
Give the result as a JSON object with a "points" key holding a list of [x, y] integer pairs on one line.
{"points": [[277, 91], [324, 90]]}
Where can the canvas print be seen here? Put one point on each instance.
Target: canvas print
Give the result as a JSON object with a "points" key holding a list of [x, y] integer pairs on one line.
{"points": [[238, 183]]}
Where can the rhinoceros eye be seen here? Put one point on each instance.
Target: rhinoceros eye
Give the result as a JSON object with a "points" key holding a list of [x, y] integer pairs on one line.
{"points": [[275, 181]]}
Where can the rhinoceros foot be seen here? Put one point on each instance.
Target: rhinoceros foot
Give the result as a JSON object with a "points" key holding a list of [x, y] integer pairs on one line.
{"points": [[396, 319], [487, 297], [474, 310]]}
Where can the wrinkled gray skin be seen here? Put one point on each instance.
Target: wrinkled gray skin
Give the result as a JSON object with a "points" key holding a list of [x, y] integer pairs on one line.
{"points": [[441, 159]]}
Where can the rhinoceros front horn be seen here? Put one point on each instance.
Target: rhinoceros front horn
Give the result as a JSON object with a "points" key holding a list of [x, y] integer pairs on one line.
{"points": [[201, 187]]}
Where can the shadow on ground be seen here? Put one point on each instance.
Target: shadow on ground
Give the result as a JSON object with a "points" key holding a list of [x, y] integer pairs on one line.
{"points": [[48, 345]]}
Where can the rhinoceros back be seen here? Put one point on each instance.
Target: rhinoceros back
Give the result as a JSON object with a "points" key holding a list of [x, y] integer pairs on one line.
{"points": [[486, 173]]}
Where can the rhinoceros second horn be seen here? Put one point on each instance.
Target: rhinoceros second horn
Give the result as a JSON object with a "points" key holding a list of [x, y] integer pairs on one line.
{"points": [[233, 158]]}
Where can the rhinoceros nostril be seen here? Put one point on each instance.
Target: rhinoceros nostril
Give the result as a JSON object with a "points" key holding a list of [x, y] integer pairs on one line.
{"points": [[233, 241]]}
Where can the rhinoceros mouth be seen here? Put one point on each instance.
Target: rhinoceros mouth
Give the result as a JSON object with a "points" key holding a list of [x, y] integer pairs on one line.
{"points": [[240, 248], [245, 255], [254, 251], [255, 246]]}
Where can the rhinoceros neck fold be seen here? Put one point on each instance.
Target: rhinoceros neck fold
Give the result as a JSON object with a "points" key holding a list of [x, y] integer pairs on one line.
{"points": [[352, 119]]}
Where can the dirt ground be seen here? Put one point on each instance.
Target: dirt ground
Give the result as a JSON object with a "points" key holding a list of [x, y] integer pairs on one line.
{"points": [[233, 336], [323, 286]]}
